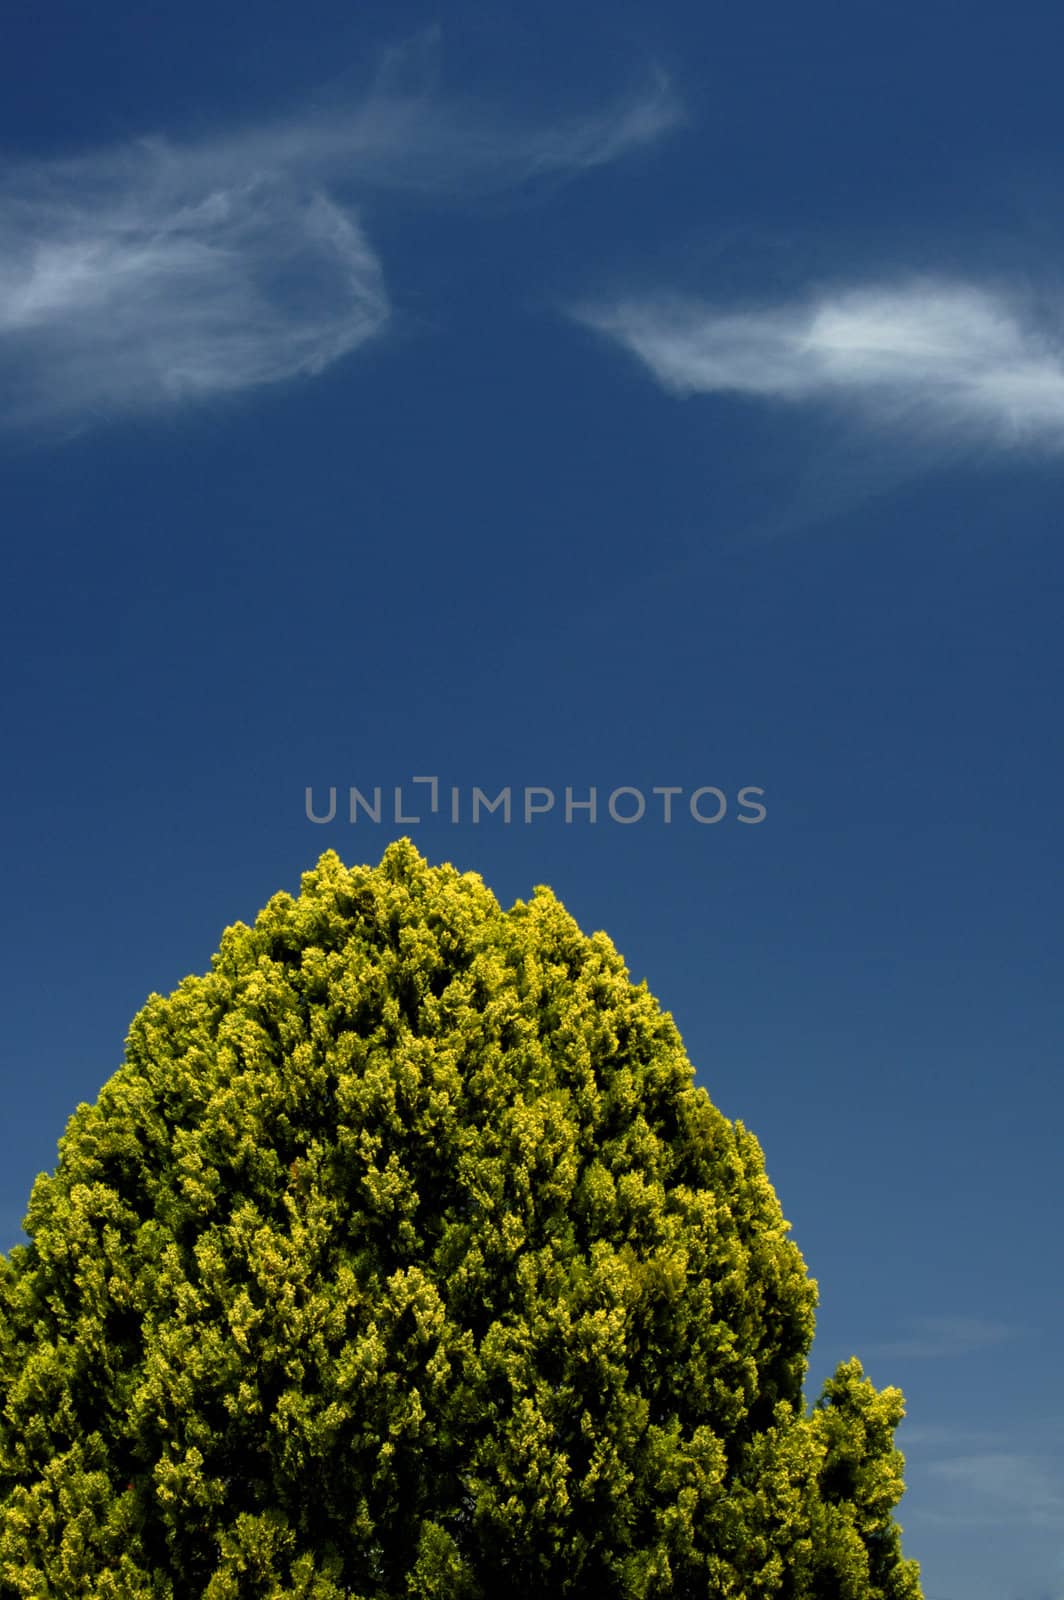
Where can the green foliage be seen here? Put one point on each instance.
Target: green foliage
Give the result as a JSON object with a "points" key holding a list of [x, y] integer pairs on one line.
{"points": [[402, 1257]]}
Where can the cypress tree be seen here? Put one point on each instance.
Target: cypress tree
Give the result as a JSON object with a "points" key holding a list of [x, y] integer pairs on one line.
{"points": [[403, 1257]]}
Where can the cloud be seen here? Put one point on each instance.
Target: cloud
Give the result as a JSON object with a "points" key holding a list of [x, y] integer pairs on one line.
{"points": [[115, 299], [998, 1486], [586, 143], [935, 1338], [923, 354], [998, 1494], [157, 274], [403, 133], [403, 137]]}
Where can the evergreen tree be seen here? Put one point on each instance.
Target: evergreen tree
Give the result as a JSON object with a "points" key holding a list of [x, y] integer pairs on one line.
{"points": [[402, 1257]]}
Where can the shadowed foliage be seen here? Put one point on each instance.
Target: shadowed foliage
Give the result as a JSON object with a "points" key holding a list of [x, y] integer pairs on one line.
{"points": [[402, 1257]]}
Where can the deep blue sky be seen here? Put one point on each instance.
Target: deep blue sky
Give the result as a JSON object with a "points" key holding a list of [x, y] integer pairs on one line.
{"points": [[599, 398]]}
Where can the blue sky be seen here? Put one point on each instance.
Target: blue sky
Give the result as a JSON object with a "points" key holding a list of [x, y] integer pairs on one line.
{"points": [[630, 399]]}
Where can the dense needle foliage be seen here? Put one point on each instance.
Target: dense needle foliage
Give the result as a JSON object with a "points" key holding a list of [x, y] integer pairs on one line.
{"points": [[402, 1257]]}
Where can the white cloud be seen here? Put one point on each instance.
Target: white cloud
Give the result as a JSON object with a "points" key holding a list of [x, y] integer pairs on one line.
{"points": [[157, 292], [998, 1486], [933, 1338], [918, 355], [414, 138], [994, 1496], [583, 144], [159, 273]]}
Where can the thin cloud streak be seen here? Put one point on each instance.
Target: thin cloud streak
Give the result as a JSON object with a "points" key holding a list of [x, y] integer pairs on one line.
{"points": [[923, 354], [999, 1486], [157, 274], [152, 295], [417, 141], [937, 1338]]}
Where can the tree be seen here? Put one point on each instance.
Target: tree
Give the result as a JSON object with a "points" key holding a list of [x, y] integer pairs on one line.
{"points": [[402, 1256]]}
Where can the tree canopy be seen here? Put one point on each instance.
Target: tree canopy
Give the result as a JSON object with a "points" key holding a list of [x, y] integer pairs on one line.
{"points": [[402, 1256]]}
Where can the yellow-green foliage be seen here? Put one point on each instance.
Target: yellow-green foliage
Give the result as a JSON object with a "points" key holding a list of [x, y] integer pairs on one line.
{"points": [[402, 1257]]}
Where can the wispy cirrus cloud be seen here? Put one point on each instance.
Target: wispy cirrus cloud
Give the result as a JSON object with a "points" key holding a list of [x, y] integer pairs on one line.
{"points": [[405, 133], [118, 298], [161, 273], [997, 1486], [992, 1494], [939, 1338], [964, 362]]}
